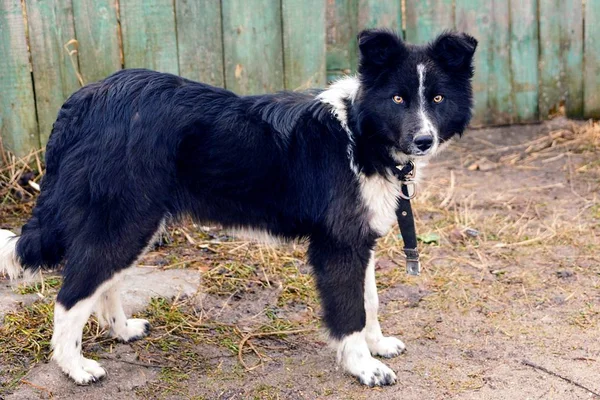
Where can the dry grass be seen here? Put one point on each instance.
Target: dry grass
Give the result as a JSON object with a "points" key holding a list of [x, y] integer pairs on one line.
{"points": [[19, 184]]}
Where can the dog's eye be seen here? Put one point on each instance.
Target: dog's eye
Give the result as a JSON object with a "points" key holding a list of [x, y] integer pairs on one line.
{"points": [[438, 99], [398, 99]]}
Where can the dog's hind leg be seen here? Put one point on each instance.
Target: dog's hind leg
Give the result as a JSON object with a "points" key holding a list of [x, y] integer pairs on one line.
{"points": [[95, 262], [69, 320], [340, 273], [110, 313], [379, 345]]}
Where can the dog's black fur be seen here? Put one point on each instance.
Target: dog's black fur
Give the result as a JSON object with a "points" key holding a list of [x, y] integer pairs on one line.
{"points": [[140, 146]]}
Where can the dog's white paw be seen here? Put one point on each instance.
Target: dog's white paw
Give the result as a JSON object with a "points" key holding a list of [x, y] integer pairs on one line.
{"points": [[93, 367], [373, 372], [88, 372], [133, 329], [355, 357], [387, 347]]}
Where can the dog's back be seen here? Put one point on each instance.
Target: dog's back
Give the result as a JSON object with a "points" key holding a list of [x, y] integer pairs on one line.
{"points": [[143, 145], [100, 144]]}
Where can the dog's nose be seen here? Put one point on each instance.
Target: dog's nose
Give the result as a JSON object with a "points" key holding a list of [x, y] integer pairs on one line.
{"points": [[423, 142]]}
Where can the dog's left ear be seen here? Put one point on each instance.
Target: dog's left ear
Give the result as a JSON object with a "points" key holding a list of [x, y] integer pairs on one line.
{"points": [[454, 51], [378, 48]]}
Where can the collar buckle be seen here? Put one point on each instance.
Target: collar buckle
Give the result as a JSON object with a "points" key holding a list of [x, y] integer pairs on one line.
{"points": [[406, 175]]}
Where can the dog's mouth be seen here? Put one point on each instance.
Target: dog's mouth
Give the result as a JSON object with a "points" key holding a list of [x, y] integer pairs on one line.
{"points": [[401, 156]]}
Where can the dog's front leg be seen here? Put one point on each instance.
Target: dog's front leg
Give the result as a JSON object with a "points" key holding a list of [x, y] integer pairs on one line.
{"points": [[340, 273], [379, 345]]}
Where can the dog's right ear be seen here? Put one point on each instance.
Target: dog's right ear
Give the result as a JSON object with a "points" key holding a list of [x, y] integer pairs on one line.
{"points": [[379, 48]]}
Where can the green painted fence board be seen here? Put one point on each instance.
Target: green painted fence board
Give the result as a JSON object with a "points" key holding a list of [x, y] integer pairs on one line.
{"points": [[425, 19], [487, 20], [561, 56], [252, 44], [380, 14], [149, 36], [200, 40], [500, 90], [573, 56], [342, 28], [591, 73], [304, 47], [54, 70], [18, 124], [97, 30], [524, 51]]}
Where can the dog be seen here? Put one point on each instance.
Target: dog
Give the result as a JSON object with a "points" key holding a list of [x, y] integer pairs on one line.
{"points": [[128, 152]]}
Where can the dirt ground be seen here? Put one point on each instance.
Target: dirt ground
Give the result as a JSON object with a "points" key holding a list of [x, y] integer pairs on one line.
{"points": [[507, 306]]}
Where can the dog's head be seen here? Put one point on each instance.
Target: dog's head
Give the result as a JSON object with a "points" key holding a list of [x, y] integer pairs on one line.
{"points": [[411, 99]]}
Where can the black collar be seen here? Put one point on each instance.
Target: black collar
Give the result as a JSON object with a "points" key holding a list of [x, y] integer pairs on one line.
{"points": [[406, 221]]}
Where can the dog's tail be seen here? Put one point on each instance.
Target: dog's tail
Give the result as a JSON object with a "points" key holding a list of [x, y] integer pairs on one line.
{"points": [[9, 263], [26, 254]]}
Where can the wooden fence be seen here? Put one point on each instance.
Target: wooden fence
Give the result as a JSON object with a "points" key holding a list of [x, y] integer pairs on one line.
{"points": [[534, 55]]}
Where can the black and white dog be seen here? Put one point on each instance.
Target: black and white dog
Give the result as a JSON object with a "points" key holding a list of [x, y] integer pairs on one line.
{"points": [[139, 147]]}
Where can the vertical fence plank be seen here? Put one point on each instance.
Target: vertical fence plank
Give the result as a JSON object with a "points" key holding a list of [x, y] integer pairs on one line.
{"points": [[18, 125], [200, 40], [425, 19], [573, 56], [304, 43], [551, 92], [380, 14], [342, 29], [500, 90], [487, 21], [470, 17], [561, 56], [54, 70], [524, 59], [96, 26], [591, 73], [149, 37], [252, 44]]}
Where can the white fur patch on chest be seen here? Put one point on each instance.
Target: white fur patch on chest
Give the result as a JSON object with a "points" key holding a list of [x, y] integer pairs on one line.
{"points": [[380, 195]]}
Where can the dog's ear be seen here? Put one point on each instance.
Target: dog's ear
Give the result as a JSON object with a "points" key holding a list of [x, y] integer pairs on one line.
{"points": [[379, 48], [454, 51]]}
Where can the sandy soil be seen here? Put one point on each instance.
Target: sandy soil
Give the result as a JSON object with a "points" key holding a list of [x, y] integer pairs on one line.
{"points": [[511, 279]]}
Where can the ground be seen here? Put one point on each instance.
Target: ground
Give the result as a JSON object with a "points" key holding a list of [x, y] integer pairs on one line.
{"points": [[507, 306]]}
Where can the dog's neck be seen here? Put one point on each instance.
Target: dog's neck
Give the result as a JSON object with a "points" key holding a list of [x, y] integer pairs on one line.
{"points": [[367, 154]]}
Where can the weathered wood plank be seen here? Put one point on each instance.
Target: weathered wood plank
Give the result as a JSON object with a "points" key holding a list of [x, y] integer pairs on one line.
{"points": [[487, 22], [54, 69], [18, 125], [469, 18], [252, 46], [573, 56], [561, 56], [200, 40], [500, 96], [97, 28], [591, 73], [304, 47], [342, 47], [524, 52], [425, 19], [380, 14], [149, 36]]}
